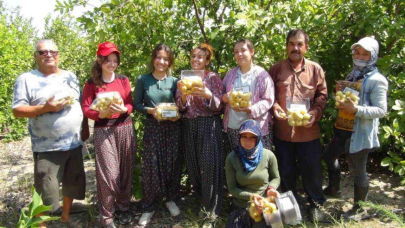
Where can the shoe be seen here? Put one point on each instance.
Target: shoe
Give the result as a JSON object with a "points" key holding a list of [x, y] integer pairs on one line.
{"points": [[172, 207], [124, 217], [332, 192], [110, 225], [145, 218], [357, 213], [316, 214]]}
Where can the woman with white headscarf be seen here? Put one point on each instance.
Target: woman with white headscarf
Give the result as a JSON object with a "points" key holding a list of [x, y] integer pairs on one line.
{"points": [[356, 128]]}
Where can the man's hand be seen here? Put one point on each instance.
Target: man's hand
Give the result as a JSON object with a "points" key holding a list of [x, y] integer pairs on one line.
{"points": [[273, 192], [55, 106], [279, 113], [246, 109], [85, 129], [311, 120]]}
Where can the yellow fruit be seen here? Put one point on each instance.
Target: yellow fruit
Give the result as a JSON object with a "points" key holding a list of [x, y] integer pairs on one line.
{"points": [[339, 93], [273, 207], [298, 116], [289, 112], [246, 96], [101, 100], [184, 89], [337, 104], [298, 123], [303, 112], [307, 116], [305, 122], [353, 97], [282, 114], [236, 105], [198, 83], [194, 89], [337, 98], [291, 123], [238, 99], [243, 104], [348, 93]]}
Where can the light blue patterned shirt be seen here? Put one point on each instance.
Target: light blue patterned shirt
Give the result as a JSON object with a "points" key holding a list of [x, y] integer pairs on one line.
{"points": [[51, 131], [372, 106]]}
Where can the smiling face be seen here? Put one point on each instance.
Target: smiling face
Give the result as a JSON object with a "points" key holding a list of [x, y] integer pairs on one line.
{"points": [[362, 54], [198, 59], [243, 55], [110, 64], [248, 140], [296, 48], [161, 62], [46, 62]]}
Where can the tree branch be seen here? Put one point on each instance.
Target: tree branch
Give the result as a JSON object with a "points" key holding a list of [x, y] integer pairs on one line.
{"points": [[199, 22]]}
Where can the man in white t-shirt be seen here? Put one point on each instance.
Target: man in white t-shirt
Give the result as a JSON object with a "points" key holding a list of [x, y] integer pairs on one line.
{"points": [[50, 98]]}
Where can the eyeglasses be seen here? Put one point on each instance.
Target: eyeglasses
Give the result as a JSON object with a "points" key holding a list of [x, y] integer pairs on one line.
{"points": [[47, 52]]}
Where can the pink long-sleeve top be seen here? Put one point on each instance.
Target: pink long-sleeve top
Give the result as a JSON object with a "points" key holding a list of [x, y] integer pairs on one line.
{"points": [[262, 98], [200, 107], [120, 84]]}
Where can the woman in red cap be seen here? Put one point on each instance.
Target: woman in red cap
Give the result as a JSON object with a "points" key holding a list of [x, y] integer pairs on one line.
{"points": [[114, 134]]}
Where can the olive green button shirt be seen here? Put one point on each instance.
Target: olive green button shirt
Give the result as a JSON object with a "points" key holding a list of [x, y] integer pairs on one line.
{"points": [[242, 186], [149, 92]]}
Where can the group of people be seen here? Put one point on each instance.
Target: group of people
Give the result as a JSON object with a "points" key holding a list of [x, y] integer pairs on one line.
{"points": [[252, 168]]}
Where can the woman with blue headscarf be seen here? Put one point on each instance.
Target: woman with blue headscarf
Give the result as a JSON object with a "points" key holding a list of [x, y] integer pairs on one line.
{"points": [[251, 171], [356, 128]]}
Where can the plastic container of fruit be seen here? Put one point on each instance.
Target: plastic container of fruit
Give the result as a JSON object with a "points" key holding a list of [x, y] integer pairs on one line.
{"points": [[289, 209], [191, 79], [64, 95], [297, 111], [240, 97], [274, 219], [104, 99], [166, 111], [349, 90]]}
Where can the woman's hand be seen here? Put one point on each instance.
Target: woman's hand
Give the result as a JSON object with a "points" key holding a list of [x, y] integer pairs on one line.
{"points": [[103, 114], [225, 97], [153, 112], [348, 106], [202, 92], [257, 200], [273, 192], [118, 109]]}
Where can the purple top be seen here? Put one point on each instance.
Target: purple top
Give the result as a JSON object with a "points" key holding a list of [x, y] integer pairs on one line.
{"points": [[198, 106], [262, 99]]}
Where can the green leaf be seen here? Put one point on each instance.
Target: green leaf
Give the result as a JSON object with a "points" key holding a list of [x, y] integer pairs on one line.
{"points": [[41, 208], [106, 10], [41, 219], [36, 201], [386, 162]]}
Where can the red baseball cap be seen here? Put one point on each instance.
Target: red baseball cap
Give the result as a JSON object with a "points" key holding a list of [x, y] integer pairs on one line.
{"points": [[107, 48]]}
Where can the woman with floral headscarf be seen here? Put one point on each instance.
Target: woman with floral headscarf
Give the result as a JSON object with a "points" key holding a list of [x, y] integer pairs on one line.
{"points": [[356, 129], [251, 171]]}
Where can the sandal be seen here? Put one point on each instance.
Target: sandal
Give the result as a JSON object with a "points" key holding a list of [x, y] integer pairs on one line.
{"points": [[75, 223], [124, 217]]}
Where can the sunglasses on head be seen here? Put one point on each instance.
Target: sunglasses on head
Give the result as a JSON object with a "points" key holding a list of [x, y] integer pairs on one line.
{"points": [[47, 52]]}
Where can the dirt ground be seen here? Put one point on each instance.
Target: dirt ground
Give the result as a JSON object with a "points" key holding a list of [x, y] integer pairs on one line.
{"points": [[16, 178]]}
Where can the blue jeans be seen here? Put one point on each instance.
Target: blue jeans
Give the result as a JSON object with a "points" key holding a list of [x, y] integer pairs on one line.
{"points": [[305, 158]]}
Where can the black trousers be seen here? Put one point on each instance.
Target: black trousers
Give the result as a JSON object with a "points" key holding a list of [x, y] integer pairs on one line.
{"points": [[303, 157]]}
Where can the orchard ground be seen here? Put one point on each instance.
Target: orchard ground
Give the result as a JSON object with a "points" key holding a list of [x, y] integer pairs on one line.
{"points": [[16, 177]]}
